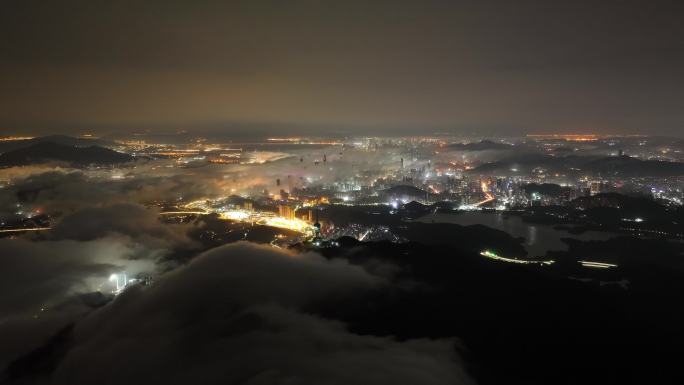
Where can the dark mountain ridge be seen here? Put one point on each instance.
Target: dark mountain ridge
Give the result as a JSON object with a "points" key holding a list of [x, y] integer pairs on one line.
{"points": [[623, 166], [53, 152], [480, 146], [11, 145]]}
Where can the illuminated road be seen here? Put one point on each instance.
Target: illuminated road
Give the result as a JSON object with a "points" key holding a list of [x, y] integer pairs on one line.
{"points": [[364, 235], [492, 255], [490, 196], [26, 229], [597, 265]]}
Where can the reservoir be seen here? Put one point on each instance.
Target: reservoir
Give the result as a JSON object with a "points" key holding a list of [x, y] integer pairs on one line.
{"points": [[538, 238]]}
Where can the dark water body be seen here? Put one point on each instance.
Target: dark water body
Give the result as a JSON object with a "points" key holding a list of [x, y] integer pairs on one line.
{"points": [[538, 238]]}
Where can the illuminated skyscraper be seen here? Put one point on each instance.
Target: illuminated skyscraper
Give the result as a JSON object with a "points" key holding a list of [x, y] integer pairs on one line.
{"points": [[286, 211]]}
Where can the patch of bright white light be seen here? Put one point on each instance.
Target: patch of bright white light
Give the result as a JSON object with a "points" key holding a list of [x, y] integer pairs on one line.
{"points": [[120, 284], [491, 255], [235, 215], [598, 265], [468, 207]]}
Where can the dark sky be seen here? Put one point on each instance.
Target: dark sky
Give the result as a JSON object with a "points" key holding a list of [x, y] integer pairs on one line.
{"points": [[467, 66]]}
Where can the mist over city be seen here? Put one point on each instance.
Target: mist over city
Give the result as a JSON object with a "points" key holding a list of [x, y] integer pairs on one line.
{"points": [[328, 192]]}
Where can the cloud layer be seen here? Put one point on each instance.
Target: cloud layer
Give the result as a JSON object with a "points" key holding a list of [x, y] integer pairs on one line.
{"points": [[234, 315]]}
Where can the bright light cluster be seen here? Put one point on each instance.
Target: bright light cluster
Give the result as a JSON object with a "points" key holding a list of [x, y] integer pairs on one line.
{"points": [[290, 224], [268, 219], [236, 215]]}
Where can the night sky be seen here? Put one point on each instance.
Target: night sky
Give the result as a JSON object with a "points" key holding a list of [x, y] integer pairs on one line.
{"points": [[507, 67]]}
